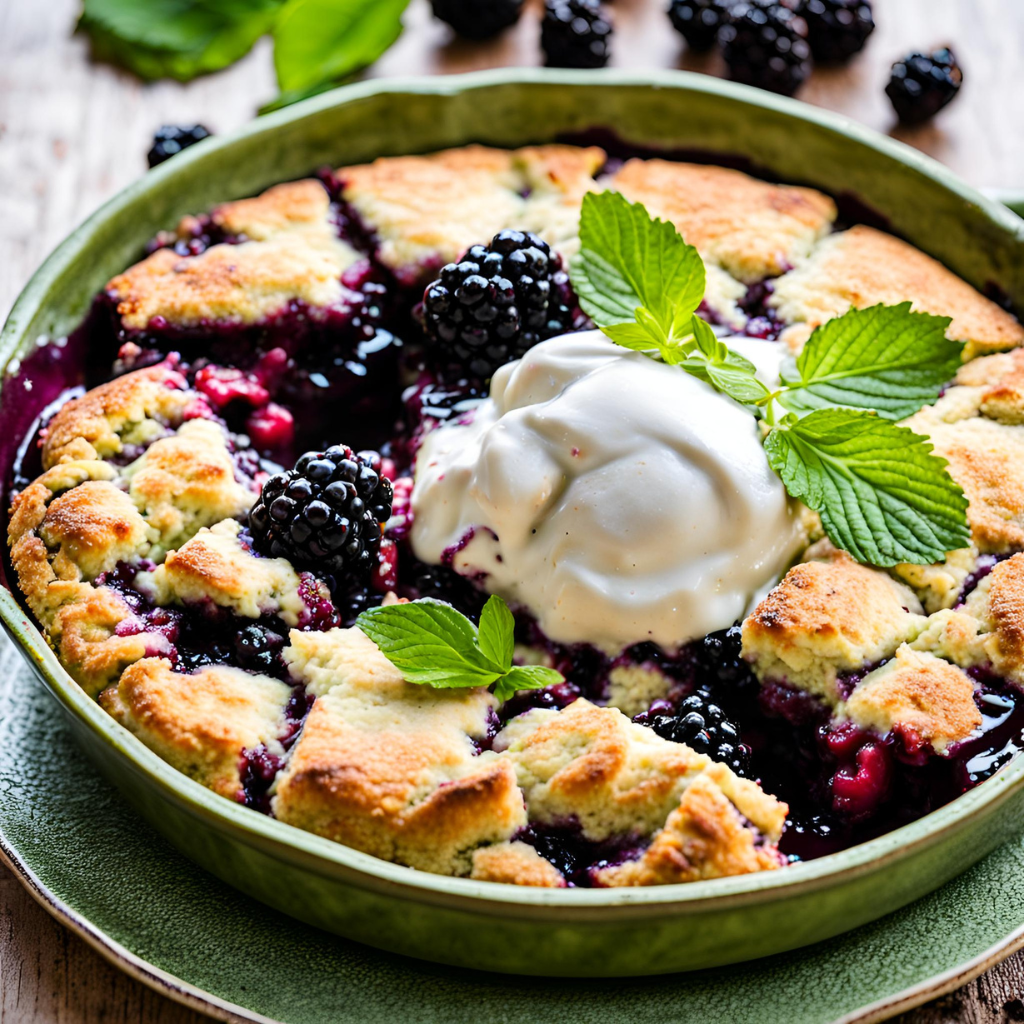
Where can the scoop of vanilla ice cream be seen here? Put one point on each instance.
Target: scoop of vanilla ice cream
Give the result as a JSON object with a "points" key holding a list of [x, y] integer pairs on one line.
{"points": [[616, 498]]}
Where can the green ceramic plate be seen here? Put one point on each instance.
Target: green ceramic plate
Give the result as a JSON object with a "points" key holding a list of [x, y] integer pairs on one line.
{"points": [[458, 921], [102, 871]]}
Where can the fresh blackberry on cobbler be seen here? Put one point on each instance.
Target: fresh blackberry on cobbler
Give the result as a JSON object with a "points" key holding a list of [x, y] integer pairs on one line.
{"points": [[498, 301], [836, 29], [698, 21], [923, 83], [702, 725], [574, 34], [327, 513], [171, 139], [766, 45], [478, 19]]}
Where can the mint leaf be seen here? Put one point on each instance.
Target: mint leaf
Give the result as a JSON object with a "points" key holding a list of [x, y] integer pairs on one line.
{"points": [[495, 633], [433, 644], [881, 493], [319, 41], [884, 358], [713, 362], [629, 262], [430, 642], [175, 38], [525, 677]]}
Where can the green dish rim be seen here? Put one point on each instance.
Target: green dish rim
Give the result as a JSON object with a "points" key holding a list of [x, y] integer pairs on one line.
{"points": [[325, 857]]}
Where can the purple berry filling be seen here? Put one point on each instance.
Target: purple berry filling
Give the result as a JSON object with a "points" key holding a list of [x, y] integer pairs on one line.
{"points": [[577, 857]]}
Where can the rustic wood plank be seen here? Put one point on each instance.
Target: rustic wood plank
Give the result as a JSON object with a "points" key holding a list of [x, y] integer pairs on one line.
{"points": [[72, 134]]}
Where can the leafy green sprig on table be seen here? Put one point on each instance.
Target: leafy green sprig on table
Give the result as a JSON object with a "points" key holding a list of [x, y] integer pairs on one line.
{"points": [[433, 644], [881, 492], [317, 43]]}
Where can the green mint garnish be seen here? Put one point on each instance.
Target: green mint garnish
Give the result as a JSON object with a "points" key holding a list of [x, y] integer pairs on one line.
{"points": [[881, 492], [885, 359], [635, 277], [432, 644]]}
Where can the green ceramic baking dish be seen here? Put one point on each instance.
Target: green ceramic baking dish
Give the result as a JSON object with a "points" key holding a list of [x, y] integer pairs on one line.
{"points": [[457, 921]]}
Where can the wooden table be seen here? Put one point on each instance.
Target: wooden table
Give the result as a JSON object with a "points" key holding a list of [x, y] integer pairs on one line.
{"points": [[72, 134]]}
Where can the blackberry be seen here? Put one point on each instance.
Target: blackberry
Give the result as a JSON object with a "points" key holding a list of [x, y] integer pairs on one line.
{"points": [[445, 584], [257, 648], [698, 21], [478, 19], [766, 46], [720, 660], [702, 726], [923, 83], [352, 603], [574, 34], [171, 139], [326, 513], [442, 402], [836, 29], [497, 302]]}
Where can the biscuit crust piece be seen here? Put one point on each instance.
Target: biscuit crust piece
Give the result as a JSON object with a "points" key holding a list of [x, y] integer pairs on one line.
{"points": [[293, 253], [988, 631], [71, 525], [919, 694], [706, 836], [614, 777], [202, 724], [987, 460], [826, 617], [427, 210], [862, 267], [751, 228], [187, 481], [216, 567], [390, 768], [125, 413], [515, 863]]}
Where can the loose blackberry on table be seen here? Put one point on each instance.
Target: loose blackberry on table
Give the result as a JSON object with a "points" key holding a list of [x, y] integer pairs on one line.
{"points": [[698, 21], [327, 513], [921, 84], [836, 29], [497, 302], [170, 139], [766, 45], [478, 19], [575, 34]]}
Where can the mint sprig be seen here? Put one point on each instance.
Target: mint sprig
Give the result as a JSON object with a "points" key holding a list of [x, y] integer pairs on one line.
{"points": [[884, 358], [634, 276], [881, 492], [433, 644]]}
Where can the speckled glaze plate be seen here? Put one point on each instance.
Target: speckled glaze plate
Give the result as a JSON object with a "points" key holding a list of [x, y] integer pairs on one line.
{"points": [[101, 870]]}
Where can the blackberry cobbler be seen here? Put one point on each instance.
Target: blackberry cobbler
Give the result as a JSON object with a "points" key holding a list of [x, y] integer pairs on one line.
{"points": [[376, 386]]}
